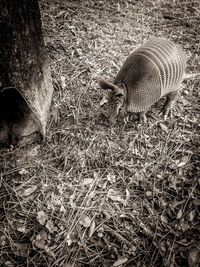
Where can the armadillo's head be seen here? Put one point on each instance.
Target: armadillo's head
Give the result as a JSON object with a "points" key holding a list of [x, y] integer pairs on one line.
{"points": [[116, 99]]}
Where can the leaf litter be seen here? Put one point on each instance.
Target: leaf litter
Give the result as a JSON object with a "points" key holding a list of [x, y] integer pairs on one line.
{"points": [[99, 196]]}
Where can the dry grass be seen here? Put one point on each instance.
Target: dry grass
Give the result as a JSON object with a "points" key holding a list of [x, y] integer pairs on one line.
{"points": [[94, 195]]}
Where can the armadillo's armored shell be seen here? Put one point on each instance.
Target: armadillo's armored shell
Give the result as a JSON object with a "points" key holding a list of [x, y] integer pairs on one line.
{"points": [[150, 72]]}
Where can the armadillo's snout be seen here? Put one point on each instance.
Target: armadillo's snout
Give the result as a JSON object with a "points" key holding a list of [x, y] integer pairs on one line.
{"points": [[115, 105], [113, 116]]}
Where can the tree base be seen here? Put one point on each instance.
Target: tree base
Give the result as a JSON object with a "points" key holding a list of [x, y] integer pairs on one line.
{"points": [[17, 120]]}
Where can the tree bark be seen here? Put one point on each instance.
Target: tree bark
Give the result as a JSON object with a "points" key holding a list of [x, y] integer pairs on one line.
{"points": [[25, 80]]}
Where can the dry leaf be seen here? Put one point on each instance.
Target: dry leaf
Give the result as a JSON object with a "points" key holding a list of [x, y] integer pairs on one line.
{"points": [[100, 231], [185, 159], [40, 239], [34, 151], [49, 225], [102, 184], [22, 229], [85, 221], [194, 258], [120, 262], [150, 145], [92, 228], [69, 239], [23, 171], [42, 217], [185, 226], [115, 196], [49, 251], [88, 181], [111, 178], [100, 235], [177, 203], [89, 198], [42, 235], [2, 240], [140, 177], [179, 215], [149, 193], [163, 127], [9, 264], [192, 215], [147, 230], [118, 7], [196, 201], [164, 219], [29, 191], [60, 188], [181, 164], [62, 209], [21, 250], [39, 243], [127, 197], [133, 248], [103, 101], [63, 83], [71, 200]]}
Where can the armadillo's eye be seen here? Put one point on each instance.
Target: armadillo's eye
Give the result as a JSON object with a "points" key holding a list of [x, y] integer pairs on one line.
{"points": [[118, 94]]}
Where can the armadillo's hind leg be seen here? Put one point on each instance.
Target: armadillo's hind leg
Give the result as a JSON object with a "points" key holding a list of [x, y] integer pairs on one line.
{"points": [[169, 104], [142, 117]]}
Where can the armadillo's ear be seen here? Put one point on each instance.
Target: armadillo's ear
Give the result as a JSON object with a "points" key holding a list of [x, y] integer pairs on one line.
{"points": [[106, 85]]}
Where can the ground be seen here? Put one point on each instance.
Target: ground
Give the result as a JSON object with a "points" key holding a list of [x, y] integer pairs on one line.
{"points": [[96, 195]]}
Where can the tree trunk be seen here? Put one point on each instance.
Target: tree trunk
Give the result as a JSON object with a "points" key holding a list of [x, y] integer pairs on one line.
{"points": [[25, 80]]}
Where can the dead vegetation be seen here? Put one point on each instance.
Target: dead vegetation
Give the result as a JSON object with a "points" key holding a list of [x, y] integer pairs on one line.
{"points": [[99, 196]]}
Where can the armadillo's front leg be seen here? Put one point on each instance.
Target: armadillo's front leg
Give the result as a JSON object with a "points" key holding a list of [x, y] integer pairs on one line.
{"points": [[142, 117], [169, 104]]}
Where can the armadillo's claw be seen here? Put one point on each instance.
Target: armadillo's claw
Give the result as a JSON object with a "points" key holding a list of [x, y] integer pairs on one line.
{"points": [[126, 119], [168, 107], [167, 113]]}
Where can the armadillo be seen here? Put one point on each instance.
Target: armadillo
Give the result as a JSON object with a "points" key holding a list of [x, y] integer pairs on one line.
{"points": [[154, 70]]}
